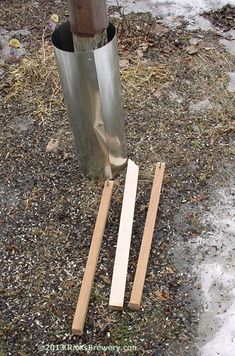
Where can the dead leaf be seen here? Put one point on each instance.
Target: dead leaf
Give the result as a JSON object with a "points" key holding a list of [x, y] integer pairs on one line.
{"points": [[152, 275], [157, 94], [183, 338], [169, 269], [70, 283], [104, 327], [143, 207], [162, 295], [55, 311], [197, 198], [12, 248], [144, 46], [213, 138], [193, 41], [159, 29], [52, 145], [105, 279], [124, 63], [27, 204], [192, 49], [65, 155], [140, 53]]}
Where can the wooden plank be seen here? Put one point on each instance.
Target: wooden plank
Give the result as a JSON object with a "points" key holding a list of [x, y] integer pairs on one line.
{"points": [[89, 274], [137, 289], [124, 238]]}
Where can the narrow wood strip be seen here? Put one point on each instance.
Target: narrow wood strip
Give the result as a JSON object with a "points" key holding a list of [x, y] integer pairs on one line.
{"points": [[137, 289], [124, 238], [92, 260]]}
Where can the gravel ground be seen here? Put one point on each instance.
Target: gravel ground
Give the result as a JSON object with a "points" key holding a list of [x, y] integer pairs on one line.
{"points": [[177, 110]]}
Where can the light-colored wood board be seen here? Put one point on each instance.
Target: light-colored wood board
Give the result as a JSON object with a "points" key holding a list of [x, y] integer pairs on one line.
{"points": [[92, 260], [137, 289], [116, 299]]}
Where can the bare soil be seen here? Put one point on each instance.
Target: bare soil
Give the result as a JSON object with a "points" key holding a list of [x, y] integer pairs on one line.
{"points": [[48, 208]]}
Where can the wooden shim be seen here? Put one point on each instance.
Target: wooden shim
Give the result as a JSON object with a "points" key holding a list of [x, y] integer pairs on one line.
{"points": [[92, 260], [142, 264], [124, 238]]}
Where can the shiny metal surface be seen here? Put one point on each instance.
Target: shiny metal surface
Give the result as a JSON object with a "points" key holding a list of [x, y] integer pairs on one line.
{"points": [[91, 86]]}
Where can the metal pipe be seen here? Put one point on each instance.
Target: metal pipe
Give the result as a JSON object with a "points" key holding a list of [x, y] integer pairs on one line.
{"points": [[91, 86]]}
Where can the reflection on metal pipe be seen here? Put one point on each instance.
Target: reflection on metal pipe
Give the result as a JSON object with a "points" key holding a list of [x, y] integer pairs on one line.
{"points": [[91, 86]]}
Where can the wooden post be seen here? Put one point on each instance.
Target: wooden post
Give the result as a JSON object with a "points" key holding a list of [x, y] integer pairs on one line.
{"points": [[89, 22]]}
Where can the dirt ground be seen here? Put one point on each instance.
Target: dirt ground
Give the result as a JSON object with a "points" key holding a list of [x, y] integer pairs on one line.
{"points": [[178, 110]]}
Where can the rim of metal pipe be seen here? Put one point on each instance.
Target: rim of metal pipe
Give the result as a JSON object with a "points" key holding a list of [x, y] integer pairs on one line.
{"points": [[62, 37]]}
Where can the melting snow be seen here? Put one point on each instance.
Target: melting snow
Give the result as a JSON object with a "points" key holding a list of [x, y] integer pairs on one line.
{"points": [[200, 106], [187, 8], [231, 84], [217, 277], [5, 36]]}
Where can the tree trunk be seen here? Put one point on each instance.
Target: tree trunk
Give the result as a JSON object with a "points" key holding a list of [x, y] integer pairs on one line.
{"points": [[89, 22]]}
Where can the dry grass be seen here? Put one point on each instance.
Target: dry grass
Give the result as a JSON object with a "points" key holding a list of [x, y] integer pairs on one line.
{"points": [[140, 81], [35, 82]]}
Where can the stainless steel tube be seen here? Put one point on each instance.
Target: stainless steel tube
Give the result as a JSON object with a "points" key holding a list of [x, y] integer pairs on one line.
{"points": [[91, 87]]}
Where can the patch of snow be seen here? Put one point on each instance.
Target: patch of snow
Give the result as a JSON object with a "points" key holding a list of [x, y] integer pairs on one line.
{"points": [[175, 97], [21, 124], [194, 41], [9, 197], [5, 36], [229, 44], [35, 4], [171, 10], [217, 107], [166, 8], [223, 343], [200, 106], [199, 22], [231, 84], [196, 129], [230, 35], [216, 271]]}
